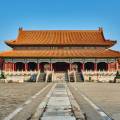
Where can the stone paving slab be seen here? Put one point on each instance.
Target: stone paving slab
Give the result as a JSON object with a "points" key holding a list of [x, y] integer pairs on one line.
{"points": [[59, 118], [58, 113], [12, 95], [59, 101]]}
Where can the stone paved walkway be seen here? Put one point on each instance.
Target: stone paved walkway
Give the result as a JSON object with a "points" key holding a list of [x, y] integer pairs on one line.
{"points": [[58, 106]]}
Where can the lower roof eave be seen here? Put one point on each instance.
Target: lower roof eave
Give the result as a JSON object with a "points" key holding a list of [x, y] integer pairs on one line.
{"points": [[61, 53], [12, 57]]}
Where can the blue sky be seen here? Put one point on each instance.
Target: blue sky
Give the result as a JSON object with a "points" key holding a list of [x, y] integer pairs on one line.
{"points": [[59, 14]]}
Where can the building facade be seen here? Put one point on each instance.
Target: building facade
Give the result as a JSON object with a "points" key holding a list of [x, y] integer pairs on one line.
{"points": [[60, 50]]}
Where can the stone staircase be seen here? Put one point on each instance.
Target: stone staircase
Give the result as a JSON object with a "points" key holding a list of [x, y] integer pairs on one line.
{"points": [[41, 77], [60, 77], [75, 76], [79, 77]]}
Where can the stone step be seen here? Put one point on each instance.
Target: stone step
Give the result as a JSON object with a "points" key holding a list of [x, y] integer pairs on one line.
{"points": [[59, 76]]}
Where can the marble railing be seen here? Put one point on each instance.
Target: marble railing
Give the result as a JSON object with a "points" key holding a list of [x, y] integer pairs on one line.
{"points": [[72, 73], [99, 76], [48, 74], [18, 76]]}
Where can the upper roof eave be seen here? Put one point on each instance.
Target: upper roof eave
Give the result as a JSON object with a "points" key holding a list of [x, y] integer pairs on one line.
{"points": [[60, 37], [12, 43]]}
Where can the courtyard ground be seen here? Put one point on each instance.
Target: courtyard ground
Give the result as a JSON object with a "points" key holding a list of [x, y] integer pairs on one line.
{"points": [[14, 94], [104, 95]]}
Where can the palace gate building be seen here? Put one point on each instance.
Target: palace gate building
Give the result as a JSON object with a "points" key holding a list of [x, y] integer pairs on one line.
{"points": [[60, 50]]}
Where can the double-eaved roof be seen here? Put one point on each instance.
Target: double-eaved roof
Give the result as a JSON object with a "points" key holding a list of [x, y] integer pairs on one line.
{"points": [[61, 38]]}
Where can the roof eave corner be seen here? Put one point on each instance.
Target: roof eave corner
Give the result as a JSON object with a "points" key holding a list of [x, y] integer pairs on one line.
{"points": [[8, 43], [113, 42]]}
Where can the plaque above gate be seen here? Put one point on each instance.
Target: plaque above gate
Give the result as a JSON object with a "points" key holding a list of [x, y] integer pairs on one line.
{"points": [[31, 60], [60, 60], [77, 60], [43, 60]]}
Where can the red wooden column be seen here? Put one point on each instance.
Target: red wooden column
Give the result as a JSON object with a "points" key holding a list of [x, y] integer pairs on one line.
{"points": [[7, 66], [4, 66], [108, 64], [83, 66], [95, 66], [70, 66], [14, 66], [51, 66], [26, 66], [11, 66], [38, 67], [116, 65]]}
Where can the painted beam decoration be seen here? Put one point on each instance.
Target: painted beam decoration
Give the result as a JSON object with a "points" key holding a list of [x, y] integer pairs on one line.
{"points": [[60, 60]]}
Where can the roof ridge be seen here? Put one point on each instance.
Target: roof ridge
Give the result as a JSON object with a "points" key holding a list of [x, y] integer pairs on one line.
{"points": [[60, 30]]}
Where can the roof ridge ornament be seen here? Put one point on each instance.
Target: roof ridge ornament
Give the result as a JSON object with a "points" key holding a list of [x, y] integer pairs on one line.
{"points": [[20, 28], [100, 29]]}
